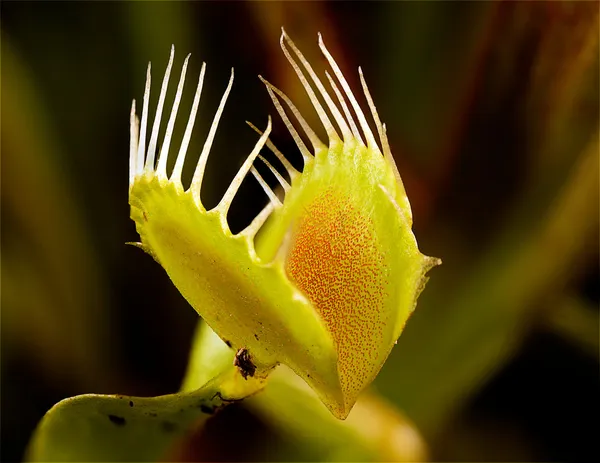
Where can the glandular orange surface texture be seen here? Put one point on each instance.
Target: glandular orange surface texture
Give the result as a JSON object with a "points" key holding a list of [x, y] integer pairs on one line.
{"points": [[335, 260]]}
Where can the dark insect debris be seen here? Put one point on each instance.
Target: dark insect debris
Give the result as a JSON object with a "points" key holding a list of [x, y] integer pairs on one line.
{"points": [[244, 362]]}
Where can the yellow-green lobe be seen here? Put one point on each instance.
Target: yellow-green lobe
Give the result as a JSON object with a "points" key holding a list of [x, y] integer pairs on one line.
{"points": [[352, 252], [247, 302]]}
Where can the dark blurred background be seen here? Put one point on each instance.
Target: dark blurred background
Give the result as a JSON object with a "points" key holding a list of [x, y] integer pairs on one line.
{"points": [[492, 114]]}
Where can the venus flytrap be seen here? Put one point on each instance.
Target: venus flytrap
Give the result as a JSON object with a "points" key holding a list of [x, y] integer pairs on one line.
{"points": [[329, 283], [325, 288]]}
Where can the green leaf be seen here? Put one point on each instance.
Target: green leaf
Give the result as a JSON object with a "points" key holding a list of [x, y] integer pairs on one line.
{"points": [[94, 427]]}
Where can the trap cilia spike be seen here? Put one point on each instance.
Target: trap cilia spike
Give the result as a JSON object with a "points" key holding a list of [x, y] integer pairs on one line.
{"points": [[330, 281]]}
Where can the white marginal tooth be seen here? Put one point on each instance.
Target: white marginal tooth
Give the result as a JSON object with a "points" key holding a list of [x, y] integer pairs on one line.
{"points": [[258, 221], [403, 211], [361, 117], [312, 136], [142, 140], [347, 112], [331, 132], [161, 169], [402, 190], [299, 142], [290, 169], [199, 173], [380, 128], [282, 181], [227, 198], [176, 174], [157, 117], [134, 133], [270, 193]]}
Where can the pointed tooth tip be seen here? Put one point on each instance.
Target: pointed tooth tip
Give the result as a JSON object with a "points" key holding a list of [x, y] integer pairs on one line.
{"points": [[265, 81], [253, 127]]}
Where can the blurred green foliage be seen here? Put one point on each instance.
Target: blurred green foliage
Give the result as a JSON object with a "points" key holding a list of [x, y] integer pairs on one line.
{"points": [[492, 114]]}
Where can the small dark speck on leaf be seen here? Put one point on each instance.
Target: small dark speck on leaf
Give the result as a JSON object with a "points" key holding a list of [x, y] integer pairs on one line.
{"points": [[118, 420], [152, 414], [227, 342], [168, 426], [131, 403], [256, 336]]}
